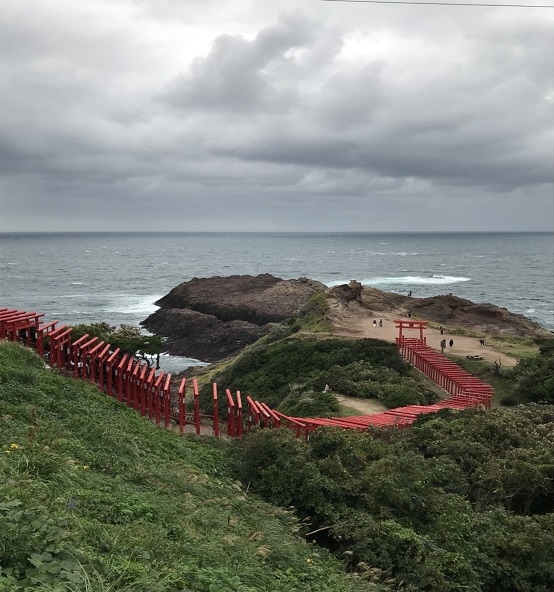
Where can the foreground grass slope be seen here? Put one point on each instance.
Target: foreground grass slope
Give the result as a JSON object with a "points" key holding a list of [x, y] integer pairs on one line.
{"points": [[95, 498]]}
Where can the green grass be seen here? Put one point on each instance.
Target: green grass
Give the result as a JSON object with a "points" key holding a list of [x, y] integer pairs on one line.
{"points": [[95, 498], [517, 347]]}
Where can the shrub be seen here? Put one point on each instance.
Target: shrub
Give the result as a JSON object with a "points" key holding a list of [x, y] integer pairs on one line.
{"points": [[309, 404]]}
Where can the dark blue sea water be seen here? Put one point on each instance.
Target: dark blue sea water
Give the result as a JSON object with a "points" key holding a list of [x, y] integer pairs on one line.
{"points": [[89, 277]]}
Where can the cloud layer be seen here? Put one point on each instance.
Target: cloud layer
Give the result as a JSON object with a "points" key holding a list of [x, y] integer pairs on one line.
{"points": [[316, 116]]}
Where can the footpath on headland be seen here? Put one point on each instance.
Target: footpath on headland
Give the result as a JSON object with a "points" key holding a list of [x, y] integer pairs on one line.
{"points": [[362, 327]]}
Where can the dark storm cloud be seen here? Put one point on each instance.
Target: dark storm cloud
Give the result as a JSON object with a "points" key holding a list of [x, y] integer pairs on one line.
{"points": [[215, 115]]}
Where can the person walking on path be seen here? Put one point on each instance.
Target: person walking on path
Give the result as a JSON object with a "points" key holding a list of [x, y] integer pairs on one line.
{"points": [[380, 322], [441, 329], [443, 345], [374, 323], [451, 343]]}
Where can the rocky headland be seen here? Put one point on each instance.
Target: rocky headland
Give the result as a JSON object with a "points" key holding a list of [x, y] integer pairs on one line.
{"points": [[448, 310], [214, 318]]}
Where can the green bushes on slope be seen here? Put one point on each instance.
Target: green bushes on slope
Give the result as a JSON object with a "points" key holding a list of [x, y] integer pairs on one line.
{"points": [[358, 367], [95, 498], [461, 501]]}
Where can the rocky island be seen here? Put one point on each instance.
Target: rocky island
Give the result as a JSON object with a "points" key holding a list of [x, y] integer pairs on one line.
{"points": [[214, 318]]}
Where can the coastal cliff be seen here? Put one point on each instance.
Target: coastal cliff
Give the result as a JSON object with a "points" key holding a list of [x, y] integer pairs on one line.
{"points": [[213, 318]]}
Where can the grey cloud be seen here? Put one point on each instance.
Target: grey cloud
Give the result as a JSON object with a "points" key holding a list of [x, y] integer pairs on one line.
{"points": [[233, 77], [113, 118]]}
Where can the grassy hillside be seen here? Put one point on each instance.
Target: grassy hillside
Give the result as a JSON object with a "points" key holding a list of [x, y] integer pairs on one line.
{"points": [[95, 498], [274, 371]]}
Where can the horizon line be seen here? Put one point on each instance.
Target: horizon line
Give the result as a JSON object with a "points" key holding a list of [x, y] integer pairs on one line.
{"points": [[334, 232]]}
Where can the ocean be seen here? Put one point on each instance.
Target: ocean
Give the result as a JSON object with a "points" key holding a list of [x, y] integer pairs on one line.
{"points": [[117, 277]]}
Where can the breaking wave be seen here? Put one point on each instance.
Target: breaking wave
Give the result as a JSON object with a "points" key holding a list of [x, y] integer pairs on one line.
{"points": [[134, 305], [408, 280]]}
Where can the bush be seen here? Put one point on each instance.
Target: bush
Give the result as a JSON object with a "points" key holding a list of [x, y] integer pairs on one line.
{"points": [[352, 367], [309, 404], [462, 500]]}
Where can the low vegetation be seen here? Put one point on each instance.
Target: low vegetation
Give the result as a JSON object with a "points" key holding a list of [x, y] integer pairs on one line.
{"points": [[461, 501], [95, 498], [530, 381], [277, 371]]}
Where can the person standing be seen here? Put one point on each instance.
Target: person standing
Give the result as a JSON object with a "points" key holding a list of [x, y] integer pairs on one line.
{"points": [[451, 343]]}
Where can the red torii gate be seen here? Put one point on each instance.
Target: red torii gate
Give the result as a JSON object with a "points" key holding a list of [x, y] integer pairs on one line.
{"points": [[13, 325], [410, 325]]}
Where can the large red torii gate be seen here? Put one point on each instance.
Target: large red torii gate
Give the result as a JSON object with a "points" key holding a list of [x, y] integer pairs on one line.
{"points": [[410, 325]]}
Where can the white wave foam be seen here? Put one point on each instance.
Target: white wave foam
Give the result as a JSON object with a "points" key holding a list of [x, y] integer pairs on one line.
{"points": [[407, 280], [77, 283], [135, 305], [419, 280], [391, 254]]}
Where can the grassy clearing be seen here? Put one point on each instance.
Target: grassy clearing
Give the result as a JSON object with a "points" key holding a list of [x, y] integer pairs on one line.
{"points": [[517, 347], [93, 497], [455, 330]]}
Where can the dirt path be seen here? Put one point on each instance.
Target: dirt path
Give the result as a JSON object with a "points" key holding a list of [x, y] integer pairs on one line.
{"points": [[359, 324]]}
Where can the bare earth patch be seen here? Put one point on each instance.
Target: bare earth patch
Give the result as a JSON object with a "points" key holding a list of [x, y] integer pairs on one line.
{"points": [[352, 320]]}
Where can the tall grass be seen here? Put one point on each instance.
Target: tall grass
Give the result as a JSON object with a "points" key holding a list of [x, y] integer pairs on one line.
{"points": [[95, 498]]}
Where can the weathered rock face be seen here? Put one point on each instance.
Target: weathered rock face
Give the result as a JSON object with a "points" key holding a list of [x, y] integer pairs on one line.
{"points": [[213, 318], [451, 310], [487, 318]]}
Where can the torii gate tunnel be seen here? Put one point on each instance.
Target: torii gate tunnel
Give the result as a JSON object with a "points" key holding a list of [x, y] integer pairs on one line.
{"points": [[151, 393]]}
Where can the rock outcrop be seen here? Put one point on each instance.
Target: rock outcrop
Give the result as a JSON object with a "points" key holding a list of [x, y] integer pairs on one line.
{"points": [[451, 310], [487, 318], [214, 318]]}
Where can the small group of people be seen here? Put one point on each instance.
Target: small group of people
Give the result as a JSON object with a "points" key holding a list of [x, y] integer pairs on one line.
{"points": [[443, 344], [375, 322]]}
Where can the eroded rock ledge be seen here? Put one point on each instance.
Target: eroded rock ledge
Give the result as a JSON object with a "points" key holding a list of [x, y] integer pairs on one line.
{"points": [[213, 318], [445, 309]]}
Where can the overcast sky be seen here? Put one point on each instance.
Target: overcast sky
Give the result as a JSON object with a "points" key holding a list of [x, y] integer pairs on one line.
{"points": [[255, 115]]}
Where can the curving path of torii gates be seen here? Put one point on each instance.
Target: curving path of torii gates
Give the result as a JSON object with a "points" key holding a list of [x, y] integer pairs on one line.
{"points": [[149, 392]]}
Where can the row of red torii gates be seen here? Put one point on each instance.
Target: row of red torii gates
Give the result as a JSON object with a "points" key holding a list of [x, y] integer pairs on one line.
{"points": [[151, 392]]}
